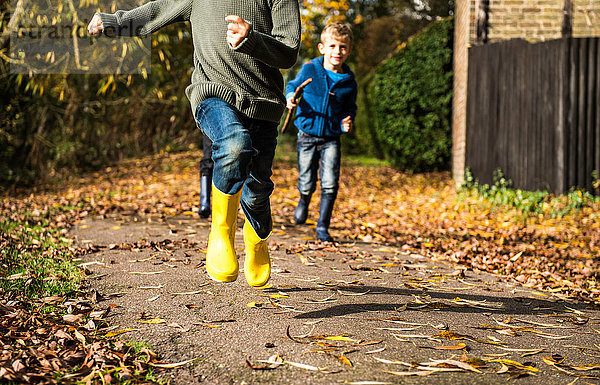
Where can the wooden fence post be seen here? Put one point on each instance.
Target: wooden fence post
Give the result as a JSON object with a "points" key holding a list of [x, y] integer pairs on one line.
{"points": [[459, 99]]}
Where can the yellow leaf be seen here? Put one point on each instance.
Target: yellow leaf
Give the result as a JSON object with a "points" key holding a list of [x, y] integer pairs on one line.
{"points": [[207, 325], [459, 346], [586, 367], [344, 360], [84, 226], [340, 338], [117, 227], [516, 364], [517, 256], [118, 332], [153, 321], [450, 335], [303, 259]]}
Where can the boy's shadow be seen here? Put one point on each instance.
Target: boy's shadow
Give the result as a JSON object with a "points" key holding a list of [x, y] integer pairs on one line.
{"points": [[439, 302]]}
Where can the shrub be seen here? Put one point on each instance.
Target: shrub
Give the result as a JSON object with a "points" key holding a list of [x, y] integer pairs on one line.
{"points": [[64, 123], [412, 96], [530, 203]]}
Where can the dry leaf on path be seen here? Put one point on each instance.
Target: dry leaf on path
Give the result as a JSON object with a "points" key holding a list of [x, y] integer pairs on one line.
{"points": [[173, 365], [119, 332], [152, 321]]}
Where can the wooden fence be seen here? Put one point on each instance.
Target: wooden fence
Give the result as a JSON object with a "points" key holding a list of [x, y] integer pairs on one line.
{"points": [[533, 111]]}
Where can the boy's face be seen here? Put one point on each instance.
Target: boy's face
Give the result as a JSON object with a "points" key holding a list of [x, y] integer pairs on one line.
{"points": [[335, 50]]}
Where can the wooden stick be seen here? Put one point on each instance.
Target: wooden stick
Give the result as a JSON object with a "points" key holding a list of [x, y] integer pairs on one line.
{"points": [[291, 110]]}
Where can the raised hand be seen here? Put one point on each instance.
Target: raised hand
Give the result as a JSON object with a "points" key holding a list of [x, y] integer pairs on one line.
{"points": [[237, 30], [95, 26], [347, 124]]}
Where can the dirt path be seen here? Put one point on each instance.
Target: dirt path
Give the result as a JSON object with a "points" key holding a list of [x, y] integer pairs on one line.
{"points": [[348, 309]]}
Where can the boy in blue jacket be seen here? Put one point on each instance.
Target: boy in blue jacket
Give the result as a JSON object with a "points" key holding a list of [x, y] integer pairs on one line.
{"points": [[326, 110]]}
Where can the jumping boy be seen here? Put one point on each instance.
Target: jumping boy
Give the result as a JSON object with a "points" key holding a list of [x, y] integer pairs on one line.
{"points": [[236, 94], [327, 109]]}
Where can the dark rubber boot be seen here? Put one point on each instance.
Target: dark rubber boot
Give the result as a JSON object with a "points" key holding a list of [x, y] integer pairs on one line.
{"points": [[205, 187], [301, 212], [327, 201]]}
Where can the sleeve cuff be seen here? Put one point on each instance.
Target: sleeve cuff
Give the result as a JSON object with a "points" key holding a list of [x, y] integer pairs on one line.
{"points": [[109, 24], [247, 45]]}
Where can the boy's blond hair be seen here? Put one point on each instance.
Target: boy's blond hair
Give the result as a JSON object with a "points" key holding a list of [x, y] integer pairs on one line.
{"points": [[337, 29]]}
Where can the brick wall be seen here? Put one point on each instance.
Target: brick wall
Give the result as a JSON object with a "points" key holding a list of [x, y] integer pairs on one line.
{"points": [[586, 18], [535, 20]]}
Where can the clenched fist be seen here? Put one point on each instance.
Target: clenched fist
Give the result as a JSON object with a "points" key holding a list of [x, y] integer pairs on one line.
{"points": [[237, 30]]}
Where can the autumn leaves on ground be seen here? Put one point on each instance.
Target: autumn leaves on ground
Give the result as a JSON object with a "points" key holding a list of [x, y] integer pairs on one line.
{"points": [[423, 214]]}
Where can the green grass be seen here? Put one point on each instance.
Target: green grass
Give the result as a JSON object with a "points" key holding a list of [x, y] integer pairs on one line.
{"points": [[286, 152], [363, 161], [528, 203], [35, 260], [138, 345]]}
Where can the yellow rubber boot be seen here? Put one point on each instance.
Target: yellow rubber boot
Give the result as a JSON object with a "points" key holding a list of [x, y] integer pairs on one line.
{"points": [[221, 261], [257, 266]]}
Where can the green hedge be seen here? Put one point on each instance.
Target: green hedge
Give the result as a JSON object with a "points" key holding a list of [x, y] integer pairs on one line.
{"points": [[411, 97], [362, 139]]}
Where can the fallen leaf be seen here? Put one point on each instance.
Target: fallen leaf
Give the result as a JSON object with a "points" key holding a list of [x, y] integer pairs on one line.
{"points": [[419, 373], [80, 337], [118, 332], [376, 350], [72, 318], [340, 338], [304, 366], [458, 346], [385, 361], [450, 335], [152, 321], [516, 364], [188, 292], [173, 365], [459, 364]]}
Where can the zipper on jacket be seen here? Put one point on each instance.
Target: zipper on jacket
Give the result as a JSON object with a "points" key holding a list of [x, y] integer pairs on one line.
{"points": [[326, 105]]}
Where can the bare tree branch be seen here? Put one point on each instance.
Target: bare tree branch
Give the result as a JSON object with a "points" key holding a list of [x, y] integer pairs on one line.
{"points": [[11, 23]]}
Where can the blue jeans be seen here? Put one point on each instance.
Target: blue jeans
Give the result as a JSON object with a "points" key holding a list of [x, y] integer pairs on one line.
{"points": [[318, 155], [242, 152]]}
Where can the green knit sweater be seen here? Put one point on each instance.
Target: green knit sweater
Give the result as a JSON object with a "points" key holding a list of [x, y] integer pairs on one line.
{"points": [[246, 76]]}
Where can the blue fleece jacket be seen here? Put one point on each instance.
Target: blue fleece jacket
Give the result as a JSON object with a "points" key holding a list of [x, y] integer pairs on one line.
{"points": [[324, 103]]}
